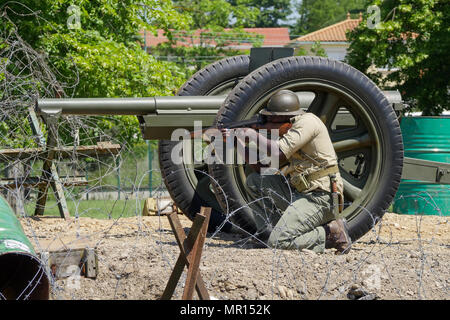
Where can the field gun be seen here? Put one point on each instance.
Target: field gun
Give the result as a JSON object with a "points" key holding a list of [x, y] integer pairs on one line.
{"points": [[362, 121]]}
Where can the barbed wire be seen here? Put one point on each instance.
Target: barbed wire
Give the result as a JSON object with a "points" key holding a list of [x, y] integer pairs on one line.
{"points": [[401, 257]]}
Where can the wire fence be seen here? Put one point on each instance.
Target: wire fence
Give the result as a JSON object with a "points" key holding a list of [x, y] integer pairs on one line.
{"points": [[401, 257]]}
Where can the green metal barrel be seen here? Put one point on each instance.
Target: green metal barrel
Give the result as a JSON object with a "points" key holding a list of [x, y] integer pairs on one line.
{"points": [[22, 275], [426, 138]]}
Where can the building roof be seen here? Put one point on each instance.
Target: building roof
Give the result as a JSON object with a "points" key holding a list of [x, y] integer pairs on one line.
{"points": [[273, 37], [334, 33]]}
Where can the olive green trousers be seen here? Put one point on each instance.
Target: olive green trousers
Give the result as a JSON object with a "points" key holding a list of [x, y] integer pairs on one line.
{"points": [[296, 218]]}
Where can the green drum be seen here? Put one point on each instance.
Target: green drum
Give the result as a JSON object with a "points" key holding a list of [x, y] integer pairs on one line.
{"points": [[426, 138], [22, 274]]}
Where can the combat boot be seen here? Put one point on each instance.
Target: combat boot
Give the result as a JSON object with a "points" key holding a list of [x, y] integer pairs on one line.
{"points": [[337, 236]]}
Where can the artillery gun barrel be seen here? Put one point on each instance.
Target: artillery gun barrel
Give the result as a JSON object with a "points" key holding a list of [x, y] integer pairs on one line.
{"points": [[158, 116], [155, 105], [128, 106]]}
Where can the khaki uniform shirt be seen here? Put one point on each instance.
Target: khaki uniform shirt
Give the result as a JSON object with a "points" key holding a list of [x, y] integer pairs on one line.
{"points": [[309, 134]]}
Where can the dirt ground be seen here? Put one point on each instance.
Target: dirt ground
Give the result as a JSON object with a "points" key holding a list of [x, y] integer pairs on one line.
{"points": [[403, 257]]}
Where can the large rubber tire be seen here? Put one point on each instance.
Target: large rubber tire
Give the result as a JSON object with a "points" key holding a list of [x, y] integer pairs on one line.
{"points": [[367, 102], [217, 78]]}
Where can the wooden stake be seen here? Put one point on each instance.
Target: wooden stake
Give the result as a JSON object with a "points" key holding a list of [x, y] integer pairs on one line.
{"points": [[190, 254]]}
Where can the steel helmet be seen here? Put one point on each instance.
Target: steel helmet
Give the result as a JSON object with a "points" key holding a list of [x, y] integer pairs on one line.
{"points": [[283, 103]]}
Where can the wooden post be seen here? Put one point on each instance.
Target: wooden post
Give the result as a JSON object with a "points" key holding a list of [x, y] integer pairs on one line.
{"points": [[49, 171], [49, 175], [191, 248]]}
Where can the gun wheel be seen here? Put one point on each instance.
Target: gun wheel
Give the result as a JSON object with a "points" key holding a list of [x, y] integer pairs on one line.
{"points": [[361, 122], [188, 185]]}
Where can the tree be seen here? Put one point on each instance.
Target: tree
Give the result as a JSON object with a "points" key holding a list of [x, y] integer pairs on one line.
{"points": [[317, 14], [411, 40], [215, 26], [93, 49], [316, 50], [207, 14], [271, 13]]}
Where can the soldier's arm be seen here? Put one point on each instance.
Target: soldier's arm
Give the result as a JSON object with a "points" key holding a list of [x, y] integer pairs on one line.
{"points": [[263, 143], [300, 134]]}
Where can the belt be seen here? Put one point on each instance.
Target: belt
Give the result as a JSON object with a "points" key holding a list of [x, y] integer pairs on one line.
{"points": [[302, 182], [322, 173]]}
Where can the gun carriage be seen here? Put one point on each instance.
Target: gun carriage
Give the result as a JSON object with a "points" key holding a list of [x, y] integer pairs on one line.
{"points": [[362, 121]]}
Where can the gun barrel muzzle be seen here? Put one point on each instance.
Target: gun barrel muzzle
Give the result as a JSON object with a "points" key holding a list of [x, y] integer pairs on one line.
{"points": [[129, 106]]}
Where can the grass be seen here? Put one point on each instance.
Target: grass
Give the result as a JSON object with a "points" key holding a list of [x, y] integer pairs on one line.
{"points": [[99, 209], [130, 170]]}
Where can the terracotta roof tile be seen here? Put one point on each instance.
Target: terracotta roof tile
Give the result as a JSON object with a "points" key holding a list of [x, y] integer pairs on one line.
{"points": [[333, 33], [272, 36]]}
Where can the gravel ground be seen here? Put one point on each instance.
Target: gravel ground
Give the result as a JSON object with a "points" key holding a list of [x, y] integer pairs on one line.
{"points": [[403, 257]]}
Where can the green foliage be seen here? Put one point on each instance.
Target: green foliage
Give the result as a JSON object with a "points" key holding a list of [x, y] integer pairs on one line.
{"points": [[411, 40], [208, 14], [270, 13], [94, 49], [317, 14], [316, 50], [215, 26], [116, 20]]}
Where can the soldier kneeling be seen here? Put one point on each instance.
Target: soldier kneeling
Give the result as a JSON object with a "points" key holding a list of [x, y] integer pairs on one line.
{"points": [[295, 211]]}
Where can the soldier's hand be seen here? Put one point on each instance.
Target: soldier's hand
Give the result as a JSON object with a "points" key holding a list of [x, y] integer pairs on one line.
{"points": [[226, 132], [247, 132]]}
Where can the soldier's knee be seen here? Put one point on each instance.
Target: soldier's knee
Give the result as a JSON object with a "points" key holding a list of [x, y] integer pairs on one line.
{"points": [[279, 240], [272, 242]]}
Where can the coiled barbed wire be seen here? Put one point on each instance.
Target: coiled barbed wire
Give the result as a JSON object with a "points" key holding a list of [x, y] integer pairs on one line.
{"points": [[231, 268]]}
